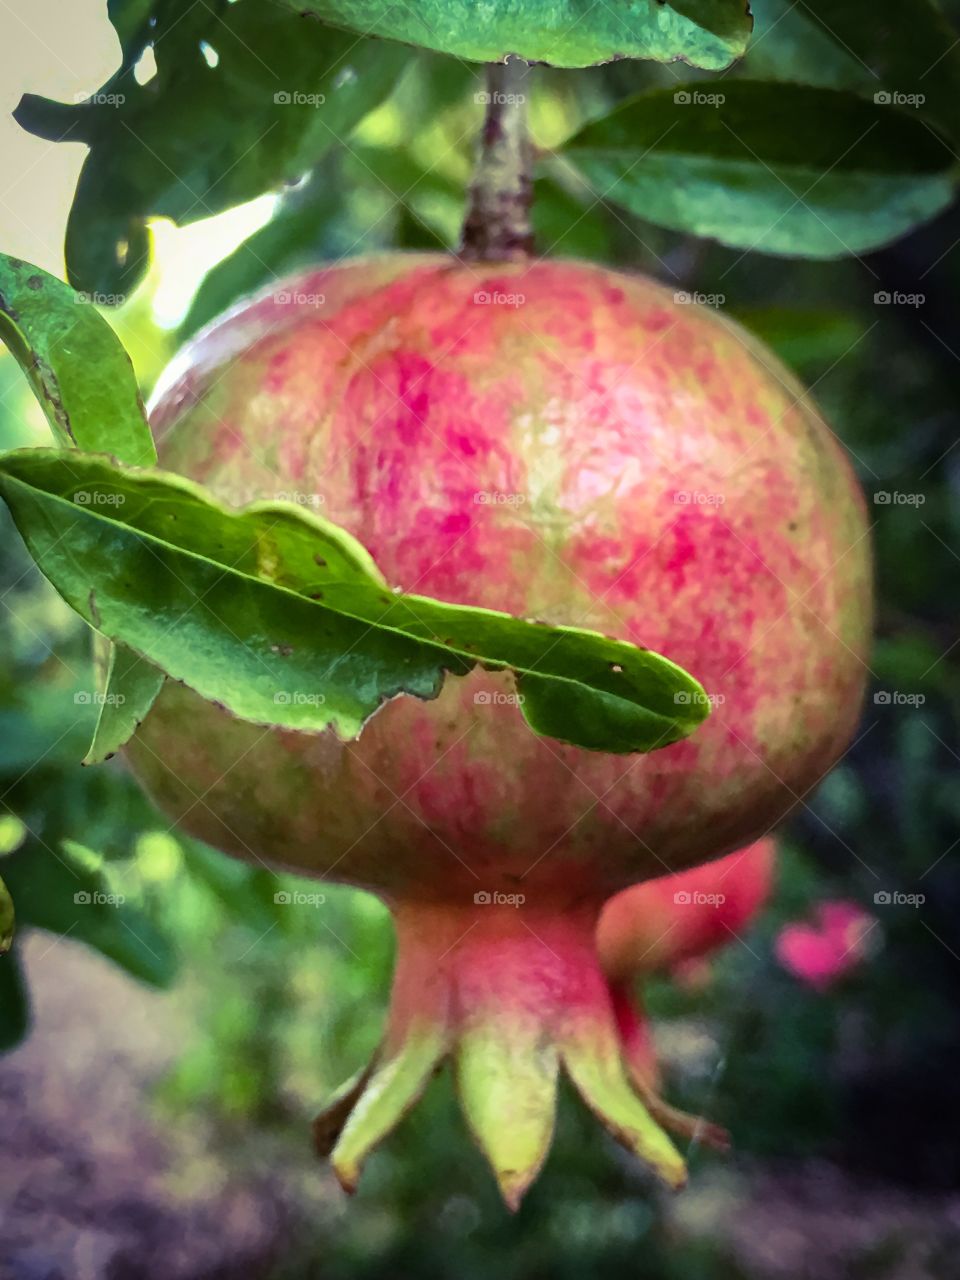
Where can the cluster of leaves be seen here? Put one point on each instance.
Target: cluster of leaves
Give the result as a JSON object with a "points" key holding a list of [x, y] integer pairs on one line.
{"points": [[251, 96]]}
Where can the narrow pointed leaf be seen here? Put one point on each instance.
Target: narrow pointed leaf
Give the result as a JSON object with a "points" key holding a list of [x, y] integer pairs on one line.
{"points": [[779, 168], [283, 618]]}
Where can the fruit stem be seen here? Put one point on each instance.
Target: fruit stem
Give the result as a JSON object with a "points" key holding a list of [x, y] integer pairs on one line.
{"points": [[497, 226]]}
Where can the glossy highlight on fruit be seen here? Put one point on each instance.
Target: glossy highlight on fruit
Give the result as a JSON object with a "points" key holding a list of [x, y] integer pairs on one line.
{"points": [[565, 443]]}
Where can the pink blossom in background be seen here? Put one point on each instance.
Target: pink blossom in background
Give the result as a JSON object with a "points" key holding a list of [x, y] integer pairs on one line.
{"points": [[834, 943]]}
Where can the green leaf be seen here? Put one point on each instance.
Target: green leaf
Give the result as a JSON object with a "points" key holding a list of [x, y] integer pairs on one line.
{"points": [[77, 367], [88, 390], [283, 617], [788, 44], [198, 138], [72, 892], [804, 337], [909, 52], [14, 1006], [563, 33], [298, 234], [131, 688], [778, 168], [7, 919]]}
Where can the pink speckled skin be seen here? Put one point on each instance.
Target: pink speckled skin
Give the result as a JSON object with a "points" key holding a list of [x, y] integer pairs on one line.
{"points": [[657, 477]]}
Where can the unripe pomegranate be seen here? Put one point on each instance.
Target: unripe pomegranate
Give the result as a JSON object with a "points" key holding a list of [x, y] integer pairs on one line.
{"points": [[565, 443]]}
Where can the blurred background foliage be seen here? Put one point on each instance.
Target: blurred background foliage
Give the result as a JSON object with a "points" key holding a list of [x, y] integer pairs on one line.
{"points": [[842, 1101]]}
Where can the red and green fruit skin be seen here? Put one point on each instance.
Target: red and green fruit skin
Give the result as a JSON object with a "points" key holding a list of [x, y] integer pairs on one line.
{"points": [[565, 443]]}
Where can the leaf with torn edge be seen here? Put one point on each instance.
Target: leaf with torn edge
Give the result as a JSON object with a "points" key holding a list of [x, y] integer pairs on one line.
{"points": [[255, 609]]}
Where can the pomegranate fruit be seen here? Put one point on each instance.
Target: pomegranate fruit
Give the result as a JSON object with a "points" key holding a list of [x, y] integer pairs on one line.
{"points": [[562, 442]]}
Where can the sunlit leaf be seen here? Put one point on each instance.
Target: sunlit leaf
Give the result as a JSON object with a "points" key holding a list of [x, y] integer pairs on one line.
{"points": [[245, 99]]}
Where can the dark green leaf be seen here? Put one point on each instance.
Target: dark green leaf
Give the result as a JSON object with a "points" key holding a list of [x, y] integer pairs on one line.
{"points": [[197, 139], [14, 1006], [789, 44], [7, 919], [283, 618], [71, 891], [77, 366], [803, 338], [774, 167], [563, 33], [910, 53]]}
